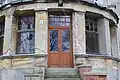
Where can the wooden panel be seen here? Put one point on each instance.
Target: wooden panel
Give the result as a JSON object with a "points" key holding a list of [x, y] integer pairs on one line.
{"points": [[54, 60], [66, 60]]}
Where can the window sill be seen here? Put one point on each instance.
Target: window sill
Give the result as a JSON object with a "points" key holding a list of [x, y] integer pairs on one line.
{"points": [[99, 56], [22, 55]]}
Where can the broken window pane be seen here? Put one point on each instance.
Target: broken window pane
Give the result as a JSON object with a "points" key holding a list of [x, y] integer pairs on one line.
{"points": [[26, 42], [26, 37], [91, 24], [26, 23]]}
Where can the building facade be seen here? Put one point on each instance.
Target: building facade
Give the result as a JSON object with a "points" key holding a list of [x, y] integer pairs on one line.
{"points": [[58, 40]]}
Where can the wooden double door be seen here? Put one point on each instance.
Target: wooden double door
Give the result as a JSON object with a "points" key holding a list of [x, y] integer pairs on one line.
{"points": [[60, 41]]}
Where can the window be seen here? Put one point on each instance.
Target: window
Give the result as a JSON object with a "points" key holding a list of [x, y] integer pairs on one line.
{"points": [[26, 34], [91, 35], [2, 1], [1, 37]]}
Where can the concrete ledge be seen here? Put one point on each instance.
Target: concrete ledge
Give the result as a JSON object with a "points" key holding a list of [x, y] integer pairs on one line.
{"points": [[96, 56], [22, 55], [93, 74], [35, 75]]}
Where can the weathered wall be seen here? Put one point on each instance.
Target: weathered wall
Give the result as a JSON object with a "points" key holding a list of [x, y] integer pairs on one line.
{"points": [[79, 46], [10, 74], [98, 66], [104, 36], [114, 43], [41, 32], [33, 65]]}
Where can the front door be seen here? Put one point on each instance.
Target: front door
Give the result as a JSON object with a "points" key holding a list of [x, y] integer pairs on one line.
{"points": [[60, 41]]}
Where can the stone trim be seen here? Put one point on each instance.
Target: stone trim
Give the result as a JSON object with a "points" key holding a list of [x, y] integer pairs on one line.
{"points": [[46, 6], [96, 56], [22, 55]]}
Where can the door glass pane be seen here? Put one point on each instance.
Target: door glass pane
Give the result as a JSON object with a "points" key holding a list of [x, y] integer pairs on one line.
{"points": [[53, 40], [59, 21], [62, 18], [68, 19], [67, 24], [66, 41], [54, 20]]}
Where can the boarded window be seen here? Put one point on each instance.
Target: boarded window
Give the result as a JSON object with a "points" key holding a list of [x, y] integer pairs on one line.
{"points": [[26, 35], [91, 35]]}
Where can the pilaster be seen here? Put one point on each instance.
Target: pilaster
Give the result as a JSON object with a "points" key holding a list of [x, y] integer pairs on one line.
{"points": [[7, 46], [41, 32], [79, 46], [104, 36]]}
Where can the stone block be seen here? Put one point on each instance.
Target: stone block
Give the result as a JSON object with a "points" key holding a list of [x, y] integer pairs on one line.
{"points": [[23, 62], [28, 78], [36, 78], [5, 63], [26, 70], [11, 75], [41, 62], [39, 70]]}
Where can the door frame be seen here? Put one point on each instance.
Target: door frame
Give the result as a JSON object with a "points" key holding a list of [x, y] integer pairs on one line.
{"points": [[71, 36]]}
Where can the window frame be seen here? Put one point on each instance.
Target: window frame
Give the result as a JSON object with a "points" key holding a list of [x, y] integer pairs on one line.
{"points": [[93, 32], [2, 36], [19, 32]]}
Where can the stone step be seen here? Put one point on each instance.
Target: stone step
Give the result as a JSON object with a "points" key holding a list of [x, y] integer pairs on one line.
{"points": [[61, 73], [62, 79], [34, 75]]}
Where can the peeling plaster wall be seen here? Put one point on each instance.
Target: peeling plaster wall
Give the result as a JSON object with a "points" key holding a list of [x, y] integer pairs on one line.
{"points": [[25, 67], [99, 66], [33, 64], [115, 7]]}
